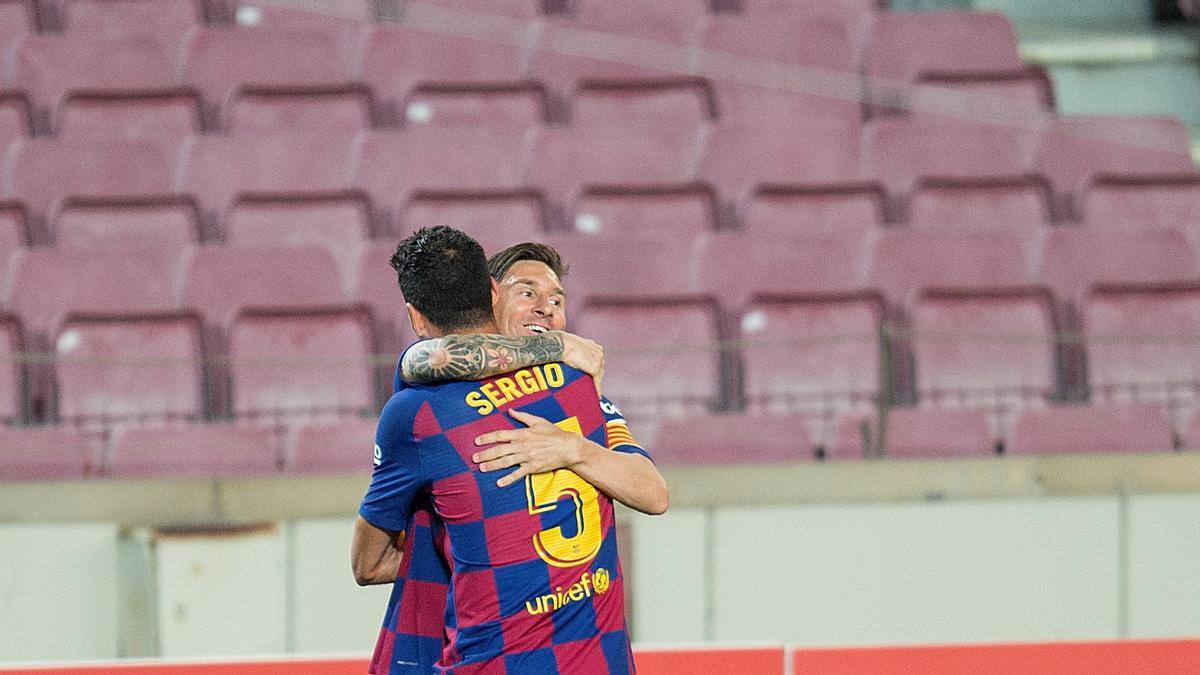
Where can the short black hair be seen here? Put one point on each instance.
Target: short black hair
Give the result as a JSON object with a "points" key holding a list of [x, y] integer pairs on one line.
{"points": [[499, 264], [444, 274]]}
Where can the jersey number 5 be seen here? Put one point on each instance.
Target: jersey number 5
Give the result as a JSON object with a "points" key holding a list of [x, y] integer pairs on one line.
{"points": [[544, 490]]}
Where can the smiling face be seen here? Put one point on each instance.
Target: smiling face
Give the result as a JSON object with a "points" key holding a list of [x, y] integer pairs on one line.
{"points": [[531, 300]]}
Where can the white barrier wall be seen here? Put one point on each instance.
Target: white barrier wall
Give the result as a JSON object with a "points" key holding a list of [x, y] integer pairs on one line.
{"points": [[1164, 566]]}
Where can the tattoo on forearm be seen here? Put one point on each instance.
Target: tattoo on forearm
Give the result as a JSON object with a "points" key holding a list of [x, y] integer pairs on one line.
{"points": [[477, 356]]}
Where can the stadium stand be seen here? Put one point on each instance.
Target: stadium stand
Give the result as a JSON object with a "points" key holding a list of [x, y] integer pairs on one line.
{"points": [[167, 21], [517, 106], [685, 212], [851, 210], [1075, 259], [14, 118], [166, 119], [46, 453], [654, 104], [721, 439], [907, 261], [1021, 205], [165, 224], [1139, 202], [495, 219], [1091, 429], [329, 447], [189, 450], [13, 393], [919, 433], [1023, 98], [17, 19]]}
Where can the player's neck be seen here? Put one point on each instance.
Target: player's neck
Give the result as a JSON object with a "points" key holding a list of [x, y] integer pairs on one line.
{"points": [[487, 327]]}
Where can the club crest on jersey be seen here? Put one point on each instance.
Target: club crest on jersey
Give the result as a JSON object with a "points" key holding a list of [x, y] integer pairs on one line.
{"points": [[506, 389]]}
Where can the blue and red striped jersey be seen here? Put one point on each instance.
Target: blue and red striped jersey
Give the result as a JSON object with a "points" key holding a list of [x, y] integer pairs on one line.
{"points": [[535, 583]]}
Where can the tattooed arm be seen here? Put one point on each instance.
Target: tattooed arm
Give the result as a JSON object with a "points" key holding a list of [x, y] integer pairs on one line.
{"points": [[480, 355]]}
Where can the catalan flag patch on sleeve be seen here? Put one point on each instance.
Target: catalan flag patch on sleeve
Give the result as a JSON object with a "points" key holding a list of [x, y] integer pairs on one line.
{"points": [[618, 434]]}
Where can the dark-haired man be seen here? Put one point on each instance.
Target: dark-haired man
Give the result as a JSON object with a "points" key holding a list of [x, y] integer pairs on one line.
{"points": [[536, 584]]}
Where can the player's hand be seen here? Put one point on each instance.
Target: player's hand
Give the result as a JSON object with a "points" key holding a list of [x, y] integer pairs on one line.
{"points": [[537, 448], [583, 354]]}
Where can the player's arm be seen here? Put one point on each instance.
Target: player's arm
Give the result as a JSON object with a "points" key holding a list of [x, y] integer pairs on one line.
{"points": [[480, 356], [627, 477], [375, 553]]}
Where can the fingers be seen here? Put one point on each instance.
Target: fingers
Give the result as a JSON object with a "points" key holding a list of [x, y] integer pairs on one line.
{"points": [[499, 463], [501, 436], [509, 479], [527, 419]]}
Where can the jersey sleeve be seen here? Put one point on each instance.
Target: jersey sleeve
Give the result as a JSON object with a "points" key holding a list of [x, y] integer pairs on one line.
{"points": [[398, 475], [620, 438]]}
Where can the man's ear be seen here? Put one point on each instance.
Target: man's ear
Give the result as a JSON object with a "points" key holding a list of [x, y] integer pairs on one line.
{"points": [[495, 290], [420, 324]]}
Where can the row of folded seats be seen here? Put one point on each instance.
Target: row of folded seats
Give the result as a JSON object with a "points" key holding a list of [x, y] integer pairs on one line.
{"points": [[758, 68], [1092, 169]]}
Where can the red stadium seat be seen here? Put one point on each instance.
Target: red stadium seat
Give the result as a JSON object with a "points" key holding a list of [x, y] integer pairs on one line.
{"points": [[302, 363], [812, 353], [340, 223], [791, 266], [914, 433], [219, 169], [627, 268], [769, 69], [567, 161], [906, 45], [732, 439], [14, 118], [221, 62], [499, 106], [906, 261], [167, 224], [900, 151], [51, 282], [1024, 98], [221, 281], [1135, 203], [1141, 342], [852, 210], [43, 172], [683, 212], [495, 219], [45, 453], [393, 165], [14, 233], [167, 21], [378, 288], [1091, 429], [517, 9], [167, 119], [811, 150], [1074, 259], [193, 450], [133, 368], [342, 110], [686, 103], [855, 14], [1077, 149], [13, 407], [662, 358], [339, 446], [1015, 204], [16, 20], [49, 67], [399, 59], [984, 349]]}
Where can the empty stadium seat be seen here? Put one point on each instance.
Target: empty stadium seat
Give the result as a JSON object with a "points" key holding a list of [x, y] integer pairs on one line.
{"points": [[627, 268], [732, 439], [735, 267], [332, 447], [934, 433], [48, 67], [767, 69], [164, 20], [905, 261], [220, 62], [398, 59], [340, 109], [684, 103], [13, 407], [1024, 98], [45, 453], [900, 151], [1077, 149], [855, 14], [166, 119], [302, 363], [1017, 204], [16, 20], [14, 233], [682, 212], [1074, 259], [495, 219], [129, 368], [43, 172], [906, 45], [14, 118], [1135, 202], [1091, 429], [340, 223], [218, 169], [567, 161], [809, 150], [984, 349], [193, 451], [518, 9], [662, 358], [168, 224], [392, 165], [811, 353], [521, 106], [378, 288], [1141, 342], [220, 281], [50, 282], [852, 210]]}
